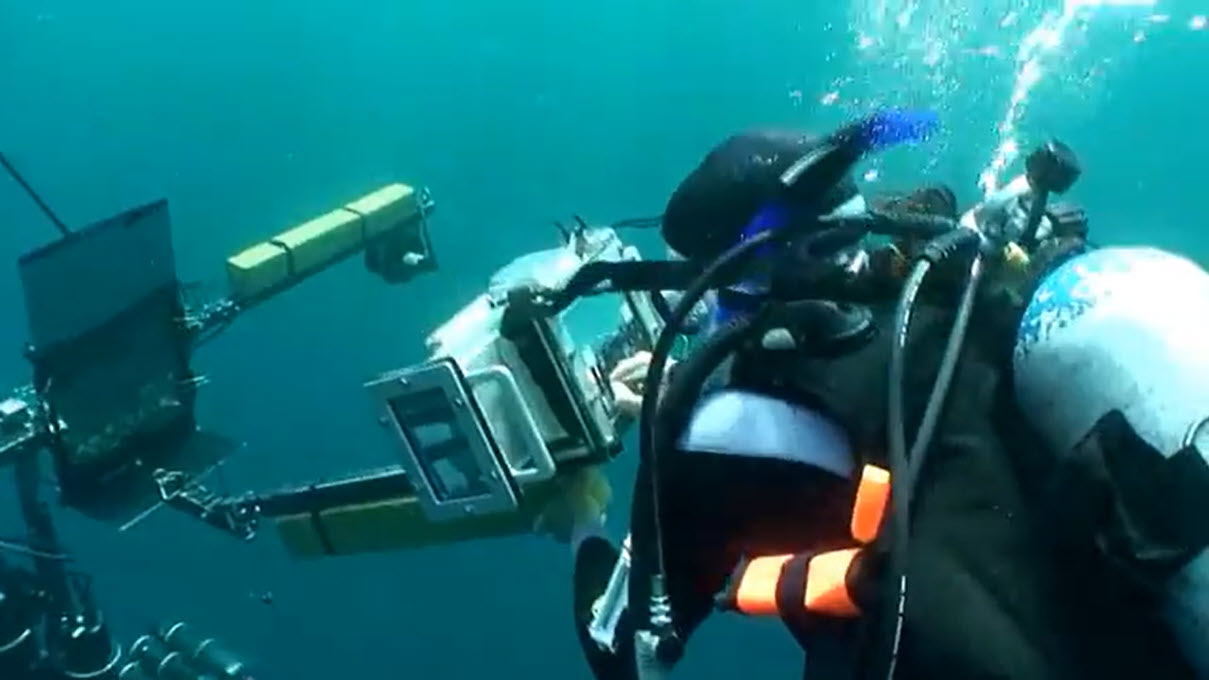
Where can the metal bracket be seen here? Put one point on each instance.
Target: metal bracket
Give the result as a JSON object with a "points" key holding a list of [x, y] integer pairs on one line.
{"points": [[182, 492]]}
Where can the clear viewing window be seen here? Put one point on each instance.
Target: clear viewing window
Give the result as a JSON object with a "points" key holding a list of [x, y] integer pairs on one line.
{"points": [[441, 449]]}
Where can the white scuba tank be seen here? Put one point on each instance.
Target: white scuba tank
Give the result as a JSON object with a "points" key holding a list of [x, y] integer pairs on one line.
{"points": [[1126, 329]]}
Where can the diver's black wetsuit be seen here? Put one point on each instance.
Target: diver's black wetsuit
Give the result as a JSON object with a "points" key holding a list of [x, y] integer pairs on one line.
{"points": [[990, 597], [717, 508]]}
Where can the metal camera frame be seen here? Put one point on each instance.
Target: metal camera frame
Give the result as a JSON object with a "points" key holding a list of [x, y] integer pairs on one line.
{"points": [[536, 380]]}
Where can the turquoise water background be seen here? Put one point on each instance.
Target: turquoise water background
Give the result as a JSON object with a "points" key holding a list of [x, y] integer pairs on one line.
{"points": [[252, 116]]}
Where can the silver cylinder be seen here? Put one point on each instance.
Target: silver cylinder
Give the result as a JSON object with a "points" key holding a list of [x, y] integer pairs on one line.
{"points": [[206, 654]]}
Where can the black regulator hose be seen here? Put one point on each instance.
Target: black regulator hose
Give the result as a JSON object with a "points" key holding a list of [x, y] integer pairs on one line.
{"points": [[905, 468], [686, 384], [944, 376], [727, 265], [734, 258]]}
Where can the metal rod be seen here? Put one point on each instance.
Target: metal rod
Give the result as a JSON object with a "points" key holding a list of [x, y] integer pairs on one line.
{"points": [[50, 214]]}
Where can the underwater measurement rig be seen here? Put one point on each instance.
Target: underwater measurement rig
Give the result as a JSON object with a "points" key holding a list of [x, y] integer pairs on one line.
{"points": [[502, 431], [112, 331]]}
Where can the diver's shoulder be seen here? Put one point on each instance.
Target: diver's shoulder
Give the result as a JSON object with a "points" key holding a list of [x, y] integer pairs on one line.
{"points": [[744, 422]]}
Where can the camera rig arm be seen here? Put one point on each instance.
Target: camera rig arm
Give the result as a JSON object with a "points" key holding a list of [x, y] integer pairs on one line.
{"points": [[531, 407], [388, 226]]}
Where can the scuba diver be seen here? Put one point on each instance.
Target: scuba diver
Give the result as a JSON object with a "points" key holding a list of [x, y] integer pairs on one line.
{"points": [[1023, 494]]}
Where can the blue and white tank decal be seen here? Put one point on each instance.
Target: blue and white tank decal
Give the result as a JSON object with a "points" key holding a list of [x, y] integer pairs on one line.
{"points": [[1070, 291]]}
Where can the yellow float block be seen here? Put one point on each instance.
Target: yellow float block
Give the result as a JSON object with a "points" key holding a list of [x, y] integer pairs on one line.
{"points": [[397, 523], [286, 259], [385, 526], [258, 269], [386, 208], [315, 244]]}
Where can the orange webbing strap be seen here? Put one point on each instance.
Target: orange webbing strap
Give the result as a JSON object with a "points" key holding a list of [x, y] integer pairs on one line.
{"points": [[766, 586], [826, 589], [772, 586], [872, 497], [758, 582]]}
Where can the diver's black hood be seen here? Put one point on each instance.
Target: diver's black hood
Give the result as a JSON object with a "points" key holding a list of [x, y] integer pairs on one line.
{"points": [[708, 211]]}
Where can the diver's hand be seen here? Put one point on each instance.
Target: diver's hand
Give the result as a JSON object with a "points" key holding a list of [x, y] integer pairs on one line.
{"points": [[627, 380]]}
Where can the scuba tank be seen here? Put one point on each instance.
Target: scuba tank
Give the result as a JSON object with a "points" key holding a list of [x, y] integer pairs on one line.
{"points": [[1112, 372]]}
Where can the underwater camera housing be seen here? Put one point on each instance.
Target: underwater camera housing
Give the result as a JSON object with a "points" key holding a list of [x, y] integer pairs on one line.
{"points": [[112, 363], [509, 399]]}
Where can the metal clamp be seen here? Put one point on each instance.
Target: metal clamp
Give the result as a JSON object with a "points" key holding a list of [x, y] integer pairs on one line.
{"points": [[180, 491]]}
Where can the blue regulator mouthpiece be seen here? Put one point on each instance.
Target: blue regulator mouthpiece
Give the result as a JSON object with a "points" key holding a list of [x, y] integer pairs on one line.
{"points": [[810, 177]]}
